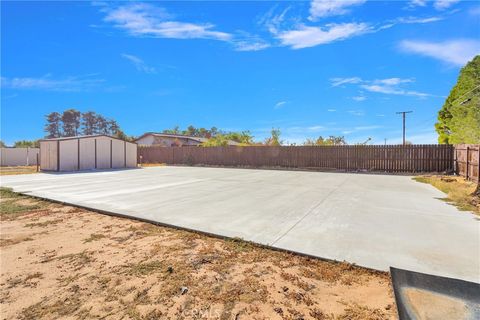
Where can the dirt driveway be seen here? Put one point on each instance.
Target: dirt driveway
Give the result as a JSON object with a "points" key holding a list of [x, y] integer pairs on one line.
{"points": [[375, 221]]}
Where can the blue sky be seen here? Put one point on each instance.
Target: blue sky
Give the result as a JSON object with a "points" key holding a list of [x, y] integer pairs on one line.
{"points": [[308, 68]]}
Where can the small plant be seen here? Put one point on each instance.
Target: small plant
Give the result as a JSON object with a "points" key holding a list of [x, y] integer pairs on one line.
{"points": [[94, 237]]}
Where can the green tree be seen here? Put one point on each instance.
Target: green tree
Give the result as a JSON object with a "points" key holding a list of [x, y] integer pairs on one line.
{"points": [[2, 144], [71, 122], [53, 126], [89, 123], [274, 139], [113, 127], [330, 141], [459, 118], [26, 144]]}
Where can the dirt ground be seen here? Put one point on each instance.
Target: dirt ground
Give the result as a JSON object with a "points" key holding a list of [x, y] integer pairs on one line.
{"points": [[63, 262], [459, 191], [5, 171]]}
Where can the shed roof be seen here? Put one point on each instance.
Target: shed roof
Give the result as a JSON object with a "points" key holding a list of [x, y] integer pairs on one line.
{"points": [[84, 137]]}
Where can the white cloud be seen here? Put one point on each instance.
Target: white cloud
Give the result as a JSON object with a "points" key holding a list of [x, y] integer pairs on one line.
{"points": [[437, 4], [358, 113], [250, 45], [392, 81], [69, 84], [339, 81], [385, 86], [444, 4], [420, 20], [417, 3], [141, 19], [359, 98], [331, 110], [456, 52], [138, 63], [307, 36], [280, 104], [388, 89], [325, 8]]}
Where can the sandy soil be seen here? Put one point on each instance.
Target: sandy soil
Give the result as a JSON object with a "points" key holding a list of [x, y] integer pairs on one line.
{"points": [[64, 262], [5, 171]]}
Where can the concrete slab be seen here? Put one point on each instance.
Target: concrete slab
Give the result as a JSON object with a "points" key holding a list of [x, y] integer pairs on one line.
{"points": [[376, 221]]}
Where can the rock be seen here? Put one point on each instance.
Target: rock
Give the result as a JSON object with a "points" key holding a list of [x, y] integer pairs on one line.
{"points": [[183, 290]]}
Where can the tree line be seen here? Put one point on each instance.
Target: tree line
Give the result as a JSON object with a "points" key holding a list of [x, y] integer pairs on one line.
{"points": [[72, 123]]}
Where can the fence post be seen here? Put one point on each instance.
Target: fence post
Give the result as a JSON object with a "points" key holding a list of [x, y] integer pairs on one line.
{"points": [[468, 164], [39, 164], [456, 161], [478, 164]]}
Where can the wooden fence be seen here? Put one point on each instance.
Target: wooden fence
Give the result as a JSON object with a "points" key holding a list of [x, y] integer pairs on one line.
{"points": [[390, 158], [467, 161]]}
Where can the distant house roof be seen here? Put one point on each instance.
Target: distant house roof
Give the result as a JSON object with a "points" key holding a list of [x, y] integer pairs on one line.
{"points": [[180, 136], [168, 135]]}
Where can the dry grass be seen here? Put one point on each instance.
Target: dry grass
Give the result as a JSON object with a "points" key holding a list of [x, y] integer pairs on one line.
{"points": [[153, 165], [458, 190], [64, 262], [6, 171]]}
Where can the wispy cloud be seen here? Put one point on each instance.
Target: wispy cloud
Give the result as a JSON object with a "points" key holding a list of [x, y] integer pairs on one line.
{"points": [[385, 86], [309, 36], [325, 8], [456, 52], [358, 113], [142, 19], [139, 63], [444, 4], [417, 20], [417, 3], [280, 104], [388, 89], [248, 45], [437, 4], [331, 110], [341, 81], [359, 98], [78, 83]]}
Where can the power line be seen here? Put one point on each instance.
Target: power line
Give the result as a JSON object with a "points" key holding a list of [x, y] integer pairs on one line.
{"points": [[403, 113]]}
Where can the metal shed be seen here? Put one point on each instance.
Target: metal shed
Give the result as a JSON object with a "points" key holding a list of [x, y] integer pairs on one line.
{"points": [[87, 153]]}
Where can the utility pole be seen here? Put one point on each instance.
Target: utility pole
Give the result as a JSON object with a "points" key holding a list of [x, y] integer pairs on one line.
{"points": [[403, 113]]}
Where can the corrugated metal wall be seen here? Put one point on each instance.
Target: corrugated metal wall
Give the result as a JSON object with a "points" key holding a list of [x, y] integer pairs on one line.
{"points": [[87, 153]]}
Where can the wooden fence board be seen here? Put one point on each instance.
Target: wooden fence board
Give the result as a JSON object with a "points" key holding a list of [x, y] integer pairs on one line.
{"points": [[467, 161], [385, 158]]}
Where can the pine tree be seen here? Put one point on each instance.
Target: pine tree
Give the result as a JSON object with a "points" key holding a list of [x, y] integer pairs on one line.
{"points": [[89, 123], [52, 128], [71, 122]]}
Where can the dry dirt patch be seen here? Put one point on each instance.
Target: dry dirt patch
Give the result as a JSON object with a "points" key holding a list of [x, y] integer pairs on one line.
{"points": [[59, 261]]}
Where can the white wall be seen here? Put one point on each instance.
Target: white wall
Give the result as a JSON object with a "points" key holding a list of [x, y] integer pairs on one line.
{"points": [[18, 156]]}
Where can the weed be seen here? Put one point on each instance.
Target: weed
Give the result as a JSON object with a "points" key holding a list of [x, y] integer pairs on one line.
{"points": [[43, 224], [94, 237], [146, 268], [7, 193], [458, 190]]}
